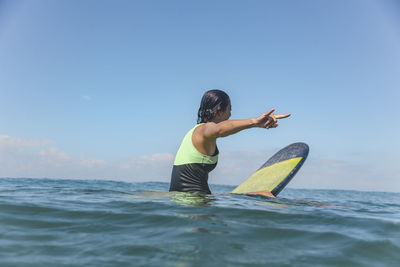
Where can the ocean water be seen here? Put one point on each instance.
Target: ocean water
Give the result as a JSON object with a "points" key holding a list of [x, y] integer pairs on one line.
{"points": [[52, 222]]}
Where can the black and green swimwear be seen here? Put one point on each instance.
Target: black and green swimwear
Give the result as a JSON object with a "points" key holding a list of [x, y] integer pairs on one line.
{"points": [[191, 168]]}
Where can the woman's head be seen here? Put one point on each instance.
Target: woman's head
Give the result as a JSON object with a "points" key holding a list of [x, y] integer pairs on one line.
{"points": [[215, 105]]}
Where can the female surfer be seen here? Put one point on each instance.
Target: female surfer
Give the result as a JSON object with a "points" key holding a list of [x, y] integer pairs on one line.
{"points": [[198, 152]]}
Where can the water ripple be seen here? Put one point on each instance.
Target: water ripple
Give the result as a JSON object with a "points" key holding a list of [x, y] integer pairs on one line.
{"points": [[75, 223]]}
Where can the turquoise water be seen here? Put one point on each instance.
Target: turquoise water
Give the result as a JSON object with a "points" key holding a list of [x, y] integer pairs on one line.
{"points": [[106, 223]]}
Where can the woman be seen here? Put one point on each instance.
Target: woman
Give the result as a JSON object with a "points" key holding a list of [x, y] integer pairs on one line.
{"points": [[198, 153]]}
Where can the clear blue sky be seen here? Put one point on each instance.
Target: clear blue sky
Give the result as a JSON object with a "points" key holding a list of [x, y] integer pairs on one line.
{"points": [[107, 89]]}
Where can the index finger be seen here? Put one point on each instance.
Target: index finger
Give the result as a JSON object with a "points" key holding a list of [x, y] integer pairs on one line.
{"points": [[282, 116], [269, 112]]}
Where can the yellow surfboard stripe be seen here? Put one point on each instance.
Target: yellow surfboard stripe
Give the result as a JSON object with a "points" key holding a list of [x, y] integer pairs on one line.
{"points": [[267, 178]]}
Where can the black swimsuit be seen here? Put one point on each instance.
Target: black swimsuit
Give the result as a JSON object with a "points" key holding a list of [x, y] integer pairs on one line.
{"points": [[191, 168]]}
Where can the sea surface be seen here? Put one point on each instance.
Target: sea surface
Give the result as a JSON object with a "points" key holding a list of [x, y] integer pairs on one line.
{"points": [[54, 222]]}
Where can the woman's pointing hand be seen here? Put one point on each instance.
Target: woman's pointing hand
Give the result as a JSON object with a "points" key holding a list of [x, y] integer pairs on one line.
{"points": [[269, 119]]}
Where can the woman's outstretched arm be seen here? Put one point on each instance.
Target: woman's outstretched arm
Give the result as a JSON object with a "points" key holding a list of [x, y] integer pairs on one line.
{"points": [[228, 127], [204, 137]]}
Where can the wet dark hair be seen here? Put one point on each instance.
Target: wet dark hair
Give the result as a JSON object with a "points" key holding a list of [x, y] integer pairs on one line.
{"points": [[212, 102]]}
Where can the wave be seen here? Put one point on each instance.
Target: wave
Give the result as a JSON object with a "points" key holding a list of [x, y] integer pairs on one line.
{"points": [[72, 222]]}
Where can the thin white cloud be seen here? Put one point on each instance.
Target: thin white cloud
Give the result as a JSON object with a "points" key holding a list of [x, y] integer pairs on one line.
{"points": [[9, 141], [53, 152], [92, 163], [86, 97], [316, 173], [366, 175], [20, 157]]}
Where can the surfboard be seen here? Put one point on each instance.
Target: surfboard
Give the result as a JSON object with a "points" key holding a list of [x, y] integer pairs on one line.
{"points": [[277, 171]]}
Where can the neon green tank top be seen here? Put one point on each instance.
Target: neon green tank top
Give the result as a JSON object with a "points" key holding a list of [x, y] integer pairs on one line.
{"points": [[187, 153]]}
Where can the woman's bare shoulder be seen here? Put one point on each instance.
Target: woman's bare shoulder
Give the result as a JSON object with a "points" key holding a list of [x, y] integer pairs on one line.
{"points": [[206, 130]]}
